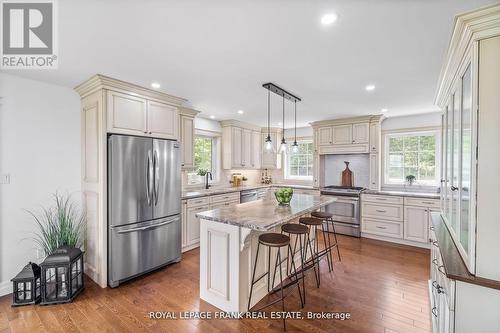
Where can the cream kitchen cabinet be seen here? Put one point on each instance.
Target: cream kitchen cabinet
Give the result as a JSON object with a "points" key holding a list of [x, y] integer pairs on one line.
{"points": [[241, 145], [325, 136], [114, 106], [360, 133], [416, 224], [191, 207], [187, 137], [342, 134], [374, 172], [127, 114], [133, 115], [255, 150], [375, 137]]}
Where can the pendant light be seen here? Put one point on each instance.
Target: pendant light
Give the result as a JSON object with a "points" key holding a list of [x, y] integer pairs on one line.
{"points": [[268, 146], [283, 141], [295, 146]]}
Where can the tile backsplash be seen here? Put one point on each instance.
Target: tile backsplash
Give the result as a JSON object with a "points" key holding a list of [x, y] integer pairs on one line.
{"points": [[358, 163]]}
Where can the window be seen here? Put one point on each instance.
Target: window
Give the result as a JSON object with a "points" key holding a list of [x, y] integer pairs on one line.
{"points": [[205, 158], [414, 154], [299, 165]]}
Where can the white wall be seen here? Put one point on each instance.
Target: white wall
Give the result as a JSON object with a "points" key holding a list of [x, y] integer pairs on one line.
{"points": [[412, 121], [40, 149]]}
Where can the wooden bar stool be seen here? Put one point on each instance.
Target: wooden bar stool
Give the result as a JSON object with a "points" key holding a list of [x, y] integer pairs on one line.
{"points": [[300, 231], [328, 218], [277, 241]]}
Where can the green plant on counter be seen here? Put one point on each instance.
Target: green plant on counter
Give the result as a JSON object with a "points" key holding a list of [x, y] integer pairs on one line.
{"points": [[284, 195], [202, 172], [410, 179], [60, 225]]}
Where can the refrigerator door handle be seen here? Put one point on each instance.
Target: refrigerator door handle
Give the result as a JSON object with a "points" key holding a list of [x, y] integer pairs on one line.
{"points": [[148, 227], [156, 168], [148, 177]]}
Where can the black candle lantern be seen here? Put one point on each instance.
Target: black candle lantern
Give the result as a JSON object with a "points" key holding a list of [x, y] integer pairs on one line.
{"points": [[26, 286], [62, 275]]}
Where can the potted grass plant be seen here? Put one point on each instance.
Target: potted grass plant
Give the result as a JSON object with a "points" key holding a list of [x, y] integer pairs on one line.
{"points": [[61, 225]]}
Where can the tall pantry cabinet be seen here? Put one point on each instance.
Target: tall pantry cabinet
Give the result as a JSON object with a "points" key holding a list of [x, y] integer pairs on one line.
{"points": [[465, 274], [113, 106]]}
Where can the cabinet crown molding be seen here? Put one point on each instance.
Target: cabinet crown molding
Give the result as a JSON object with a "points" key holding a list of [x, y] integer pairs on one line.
{"points": [[241, 124], [468, 27], [352, 120], [185, 111], [100, 81]]}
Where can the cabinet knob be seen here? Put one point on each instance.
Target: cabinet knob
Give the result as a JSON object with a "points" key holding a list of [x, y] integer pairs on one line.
{"points": [[149, 132], [145, 132], [353, 141]]}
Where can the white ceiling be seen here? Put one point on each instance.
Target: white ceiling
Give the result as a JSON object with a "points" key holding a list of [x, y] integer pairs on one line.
{"points": [[218, 53]]}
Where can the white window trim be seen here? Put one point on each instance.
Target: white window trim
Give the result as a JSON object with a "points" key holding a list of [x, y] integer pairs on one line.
{"points": [[436, 131], [216, 158], [286, 175]]}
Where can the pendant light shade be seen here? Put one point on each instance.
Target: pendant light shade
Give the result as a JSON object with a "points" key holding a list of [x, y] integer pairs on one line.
{"points": [[295, 146], [283, 146], [269, 146]]}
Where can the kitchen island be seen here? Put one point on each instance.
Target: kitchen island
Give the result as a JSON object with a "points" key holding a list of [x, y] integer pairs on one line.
{"points": [[228, 243]]}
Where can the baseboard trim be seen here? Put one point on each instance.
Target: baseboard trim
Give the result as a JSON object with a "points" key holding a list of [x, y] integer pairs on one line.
{"points": [[396, 241], [5, 288]]}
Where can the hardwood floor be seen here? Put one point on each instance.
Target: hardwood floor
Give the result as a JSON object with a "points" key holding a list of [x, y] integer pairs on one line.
{"points": [[383, 286]]}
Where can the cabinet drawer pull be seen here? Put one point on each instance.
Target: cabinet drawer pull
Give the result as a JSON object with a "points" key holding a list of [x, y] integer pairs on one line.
{"points": [[381, 211], [435, 262], [381, 199], [434, 312], [379, 227], [435, 244], [439, 289], [442, 271], [431, 227], [428, 203]]}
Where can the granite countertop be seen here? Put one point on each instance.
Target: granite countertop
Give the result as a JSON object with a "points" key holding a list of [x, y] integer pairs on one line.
{"points": [[191, 194], [424, 195], [265, 214]]}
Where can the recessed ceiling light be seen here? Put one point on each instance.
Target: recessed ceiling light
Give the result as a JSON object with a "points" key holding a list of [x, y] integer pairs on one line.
{"points": [[384, 110], [212, 117], [155, 85], [280, 123], [329, 18], [370, 87], [241, 111]]}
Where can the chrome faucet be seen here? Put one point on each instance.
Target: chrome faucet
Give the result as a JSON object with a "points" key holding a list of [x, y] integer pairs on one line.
{"points": [[206, 179]]}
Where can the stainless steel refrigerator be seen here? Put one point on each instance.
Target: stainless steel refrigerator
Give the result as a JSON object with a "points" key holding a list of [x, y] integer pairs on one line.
{"points": [[144, 205]]}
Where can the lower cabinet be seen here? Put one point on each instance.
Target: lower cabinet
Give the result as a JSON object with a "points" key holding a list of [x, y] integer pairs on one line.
{"points": [[398, 219], [191, 207]]}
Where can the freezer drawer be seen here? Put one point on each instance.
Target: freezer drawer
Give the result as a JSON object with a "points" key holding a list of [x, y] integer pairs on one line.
{"points": [[139, 248]]}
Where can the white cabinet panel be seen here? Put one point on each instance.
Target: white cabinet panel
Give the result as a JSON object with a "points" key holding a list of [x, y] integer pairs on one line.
{"points": [[374, 172], [187, 141], [127, 114], [256, 149], [246, 142], [385, 212], [342, 134], [382, 228], [416, 224], [325, 136], [360, 133], [163, 120], [193, 224], [374, 137], [236, 142]]}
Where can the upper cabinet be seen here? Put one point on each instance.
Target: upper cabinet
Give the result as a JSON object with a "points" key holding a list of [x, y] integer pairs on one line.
{"points": [[242, 146], [187, 137], [129, 114], [347, 136]]}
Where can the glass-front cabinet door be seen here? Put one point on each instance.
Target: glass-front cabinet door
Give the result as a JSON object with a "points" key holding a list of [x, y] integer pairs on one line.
{"points": [[458, 171], [466, 160]]}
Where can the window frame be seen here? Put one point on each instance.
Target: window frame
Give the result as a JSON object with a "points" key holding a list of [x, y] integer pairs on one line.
{"points": [[418, 185], [216, 158], [286, 173]]}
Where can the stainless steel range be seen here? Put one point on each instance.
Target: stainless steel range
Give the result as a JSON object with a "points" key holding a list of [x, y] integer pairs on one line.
{"points": [[345, 210]]}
